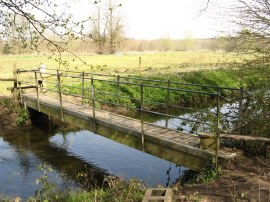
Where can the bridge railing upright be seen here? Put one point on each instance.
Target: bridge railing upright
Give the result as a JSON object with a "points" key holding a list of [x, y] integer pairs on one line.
{"points": [[102, 90]]}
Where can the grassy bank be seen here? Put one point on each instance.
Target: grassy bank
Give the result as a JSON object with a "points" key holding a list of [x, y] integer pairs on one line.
{"points": [[249, 77], [118, 190]]}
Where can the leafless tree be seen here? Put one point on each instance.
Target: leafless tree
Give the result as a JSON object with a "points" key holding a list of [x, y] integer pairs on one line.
{"points": [[107, 25], [40, 18], [251, 19], [115, 26]]}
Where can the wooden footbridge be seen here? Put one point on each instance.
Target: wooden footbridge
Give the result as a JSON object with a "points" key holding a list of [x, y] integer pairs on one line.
{"points": [[94, 101]]}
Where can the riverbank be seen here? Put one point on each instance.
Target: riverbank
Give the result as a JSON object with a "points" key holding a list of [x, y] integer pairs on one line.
{"points": [[244, 179], [8, 114], [155, 99]]}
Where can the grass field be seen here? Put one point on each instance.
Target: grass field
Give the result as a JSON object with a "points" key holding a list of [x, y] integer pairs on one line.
{"points": [[159, 62], [154, 63]]}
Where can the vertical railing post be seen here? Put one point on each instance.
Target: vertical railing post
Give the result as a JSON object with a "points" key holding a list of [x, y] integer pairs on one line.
{"points": [[37, 91], [15, 85], [93, 104], [117, 92], [142, 122], [140, 64], [240, 110], [20, 86], [217, 138], [83, 88], [60, 94], [168, 102]]}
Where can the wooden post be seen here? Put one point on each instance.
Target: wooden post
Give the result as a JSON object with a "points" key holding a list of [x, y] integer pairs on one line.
{"points": [[93, 103], [218, 128], [20, 88], [60, 94], [83, 88], [15, 85], [117, 92], [168, 102], [142, 122], [140, 63], [37, 91], [240, 110]]}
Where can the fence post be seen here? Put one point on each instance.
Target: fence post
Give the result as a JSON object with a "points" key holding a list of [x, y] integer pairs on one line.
{"points": [[240, 110], [93, 104], [60, 94], [168, 102], [37, 91], [15, 85], [142, 122], [20, 86], [218, 128], [140, 64], [117, 92], [83, 88]]}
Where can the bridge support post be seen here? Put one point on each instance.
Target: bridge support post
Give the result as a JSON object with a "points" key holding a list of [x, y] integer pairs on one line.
{"points": [[37, 91], [117, 92], [83, 88], [218, 128], [15, 85], [168, 102], [93, 103], [60, 95], [240, 110], [142, 122]]}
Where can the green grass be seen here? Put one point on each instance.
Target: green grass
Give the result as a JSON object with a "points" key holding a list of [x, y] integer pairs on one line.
{"points": [[250, 78], [125, 64], [3, 87]]}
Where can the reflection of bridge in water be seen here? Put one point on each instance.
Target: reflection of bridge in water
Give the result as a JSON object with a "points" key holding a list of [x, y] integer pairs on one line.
{"points": [[73, 97], [66, 163]]}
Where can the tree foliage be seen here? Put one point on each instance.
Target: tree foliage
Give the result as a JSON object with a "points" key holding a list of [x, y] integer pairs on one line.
{"points": [[40, 23], [250, 21]]}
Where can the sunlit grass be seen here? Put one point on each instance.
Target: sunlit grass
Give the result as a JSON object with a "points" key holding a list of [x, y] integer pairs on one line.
{"points": [[3, 87], [126, 63]]}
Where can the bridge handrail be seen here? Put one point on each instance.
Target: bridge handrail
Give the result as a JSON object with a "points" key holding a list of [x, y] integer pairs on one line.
{"points": [[90, 93], [145, 79]]}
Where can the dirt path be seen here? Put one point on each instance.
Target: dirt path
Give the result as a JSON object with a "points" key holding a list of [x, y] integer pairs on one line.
{"points": [[246, 179]]}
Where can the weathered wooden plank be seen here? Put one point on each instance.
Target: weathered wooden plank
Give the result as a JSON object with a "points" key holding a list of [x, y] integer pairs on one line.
{"points": [[175, 140]]}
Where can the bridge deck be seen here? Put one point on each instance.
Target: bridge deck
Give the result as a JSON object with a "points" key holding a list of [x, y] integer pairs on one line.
{"points": [[170, 138]]}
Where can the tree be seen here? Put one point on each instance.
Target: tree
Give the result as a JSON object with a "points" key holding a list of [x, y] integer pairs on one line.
{"points": [[107, 26], [115, 26], [98, 28], [7, 49], [252, 20], [40, 18]]}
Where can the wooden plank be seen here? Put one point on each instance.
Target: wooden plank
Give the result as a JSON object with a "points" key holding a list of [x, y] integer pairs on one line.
{"points": [[159, 135]]}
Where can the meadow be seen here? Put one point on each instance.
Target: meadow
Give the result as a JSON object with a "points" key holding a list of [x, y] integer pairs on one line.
{"points": [[152, 63]]}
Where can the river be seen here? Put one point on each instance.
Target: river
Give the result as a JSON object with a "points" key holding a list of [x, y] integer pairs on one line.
{"points": [[71, 153]]}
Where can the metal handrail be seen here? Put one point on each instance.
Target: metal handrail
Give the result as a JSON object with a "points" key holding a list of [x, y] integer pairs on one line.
{"points": [[92, 93]]}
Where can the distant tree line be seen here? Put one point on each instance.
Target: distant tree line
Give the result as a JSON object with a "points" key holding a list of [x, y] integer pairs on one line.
{"points": [[243, 42]]}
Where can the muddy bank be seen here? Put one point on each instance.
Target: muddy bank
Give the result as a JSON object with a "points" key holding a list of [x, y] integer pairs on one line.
{"points": [[8, 114], [244, 179]]}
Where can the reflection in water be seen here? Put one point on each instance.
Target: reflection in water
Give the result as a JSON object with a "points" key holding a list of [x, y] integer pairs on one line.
{"points": [[229, 117], [72, 153]]}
